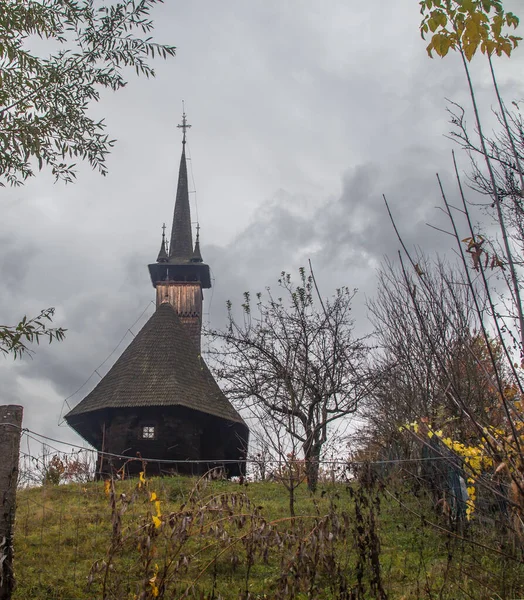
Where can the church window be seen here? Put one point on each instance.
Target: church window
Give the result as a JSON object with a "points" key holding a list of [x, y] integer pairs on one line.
{"points": [[148, 432]]}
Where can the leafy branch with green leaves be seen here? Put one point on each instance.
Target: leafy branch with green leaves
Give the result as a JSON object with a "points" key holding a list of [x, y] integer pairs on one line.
{"points": [[44, 100], [14, 338]]}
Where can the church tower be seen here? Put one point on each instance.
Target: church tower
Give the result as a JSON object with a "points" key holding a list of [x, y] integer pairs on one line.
{"points": [[159, 402], [179, 274]]}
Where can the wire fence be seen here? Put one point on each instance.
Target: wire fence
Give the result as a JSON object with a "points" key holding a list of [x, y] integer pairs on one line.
{"points": [[79, 462]]}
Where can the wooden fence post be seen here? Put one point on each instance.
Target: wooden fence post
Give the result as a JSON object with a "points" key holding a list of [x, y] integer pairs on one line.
{"points": [[10, 431]]}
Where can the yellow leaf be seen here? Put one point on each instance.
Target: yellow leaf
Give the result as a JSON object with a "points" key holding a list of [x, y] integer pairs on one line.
{"points": [[469, 50], [512, 20], [107, 487], [441, 18], [157, 521], [153, 497], [142, 477], [154, 588], [472, 29], [436, 42], [157, 507], [488, 46], [496, 26], [441, 44]]}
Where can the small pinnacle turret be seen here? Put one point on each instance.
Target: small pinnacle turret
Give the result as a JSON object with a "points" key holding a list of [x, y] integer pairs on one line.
{"points": [[197, 256], [162, 255]]}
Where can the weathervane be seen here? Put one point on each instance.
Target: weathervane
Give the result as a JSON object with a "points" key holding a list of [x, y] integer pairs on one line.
{"points": [[184, 124]]}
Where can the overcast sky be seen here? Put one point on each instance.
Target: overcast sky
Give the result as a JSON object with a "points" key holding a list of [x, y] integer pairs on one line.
{"points": [[303, 114]]}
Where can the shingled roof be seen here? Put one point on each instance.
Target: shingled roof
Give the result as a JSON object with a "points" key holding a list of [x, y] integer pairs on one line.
{"points": [[160, 367]]}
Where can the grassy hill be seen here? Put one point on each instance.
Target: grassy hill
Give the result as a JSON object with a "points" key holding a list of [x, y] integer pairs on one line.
{"points": [[175, 538]]}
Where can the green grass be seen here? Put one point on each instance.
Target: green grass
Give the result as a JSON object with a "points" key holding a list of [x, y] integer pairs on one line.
{"points": [[62, 530]]}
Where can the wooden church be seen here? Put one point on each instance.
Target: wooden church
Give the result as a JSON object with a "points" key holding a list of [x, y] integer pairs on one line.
{"points": [[159, 401]]}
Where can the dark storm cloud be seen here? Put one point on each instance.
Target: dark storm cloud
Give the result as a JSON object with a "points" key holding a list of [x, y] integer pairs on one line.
{"points": [[346, 237], [353, 226], [361, 219]]}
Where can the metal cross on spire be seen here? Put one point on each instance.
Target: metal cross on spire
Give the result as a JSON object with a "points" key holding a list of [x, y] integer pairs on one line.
{"points": [[184, 125]]}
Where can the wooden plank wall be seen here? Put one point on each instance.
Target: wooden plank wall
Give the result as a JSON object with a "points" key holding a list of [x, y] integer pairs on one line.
{"points": [[186, 298]]}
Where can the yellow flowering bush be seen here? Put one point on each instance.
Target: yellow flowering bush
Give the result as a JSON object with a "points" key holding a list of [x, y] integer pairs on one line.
{"points": [[475, 459]]}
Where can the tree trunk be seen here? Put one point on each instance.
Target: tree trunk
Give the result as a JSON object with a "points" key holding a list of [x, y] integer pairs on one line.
{"points": [[291, 490], [312, 468], [10, 430]]}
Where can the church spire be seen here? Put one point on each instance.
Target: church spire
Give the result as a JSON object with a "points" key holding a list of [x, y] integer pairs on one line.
{"points": [[179, 264], [181, 244]]}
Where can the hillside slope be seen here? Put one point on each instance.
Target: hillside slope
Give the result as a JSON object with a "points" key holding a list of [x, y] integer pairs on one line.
{"points": [[175, 538]]}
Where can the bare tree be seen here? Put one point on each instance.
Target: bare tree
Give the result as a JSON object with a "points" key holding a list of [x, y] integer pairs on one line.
{"points": [[295, 362], [476, 382], [433, 364]]}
